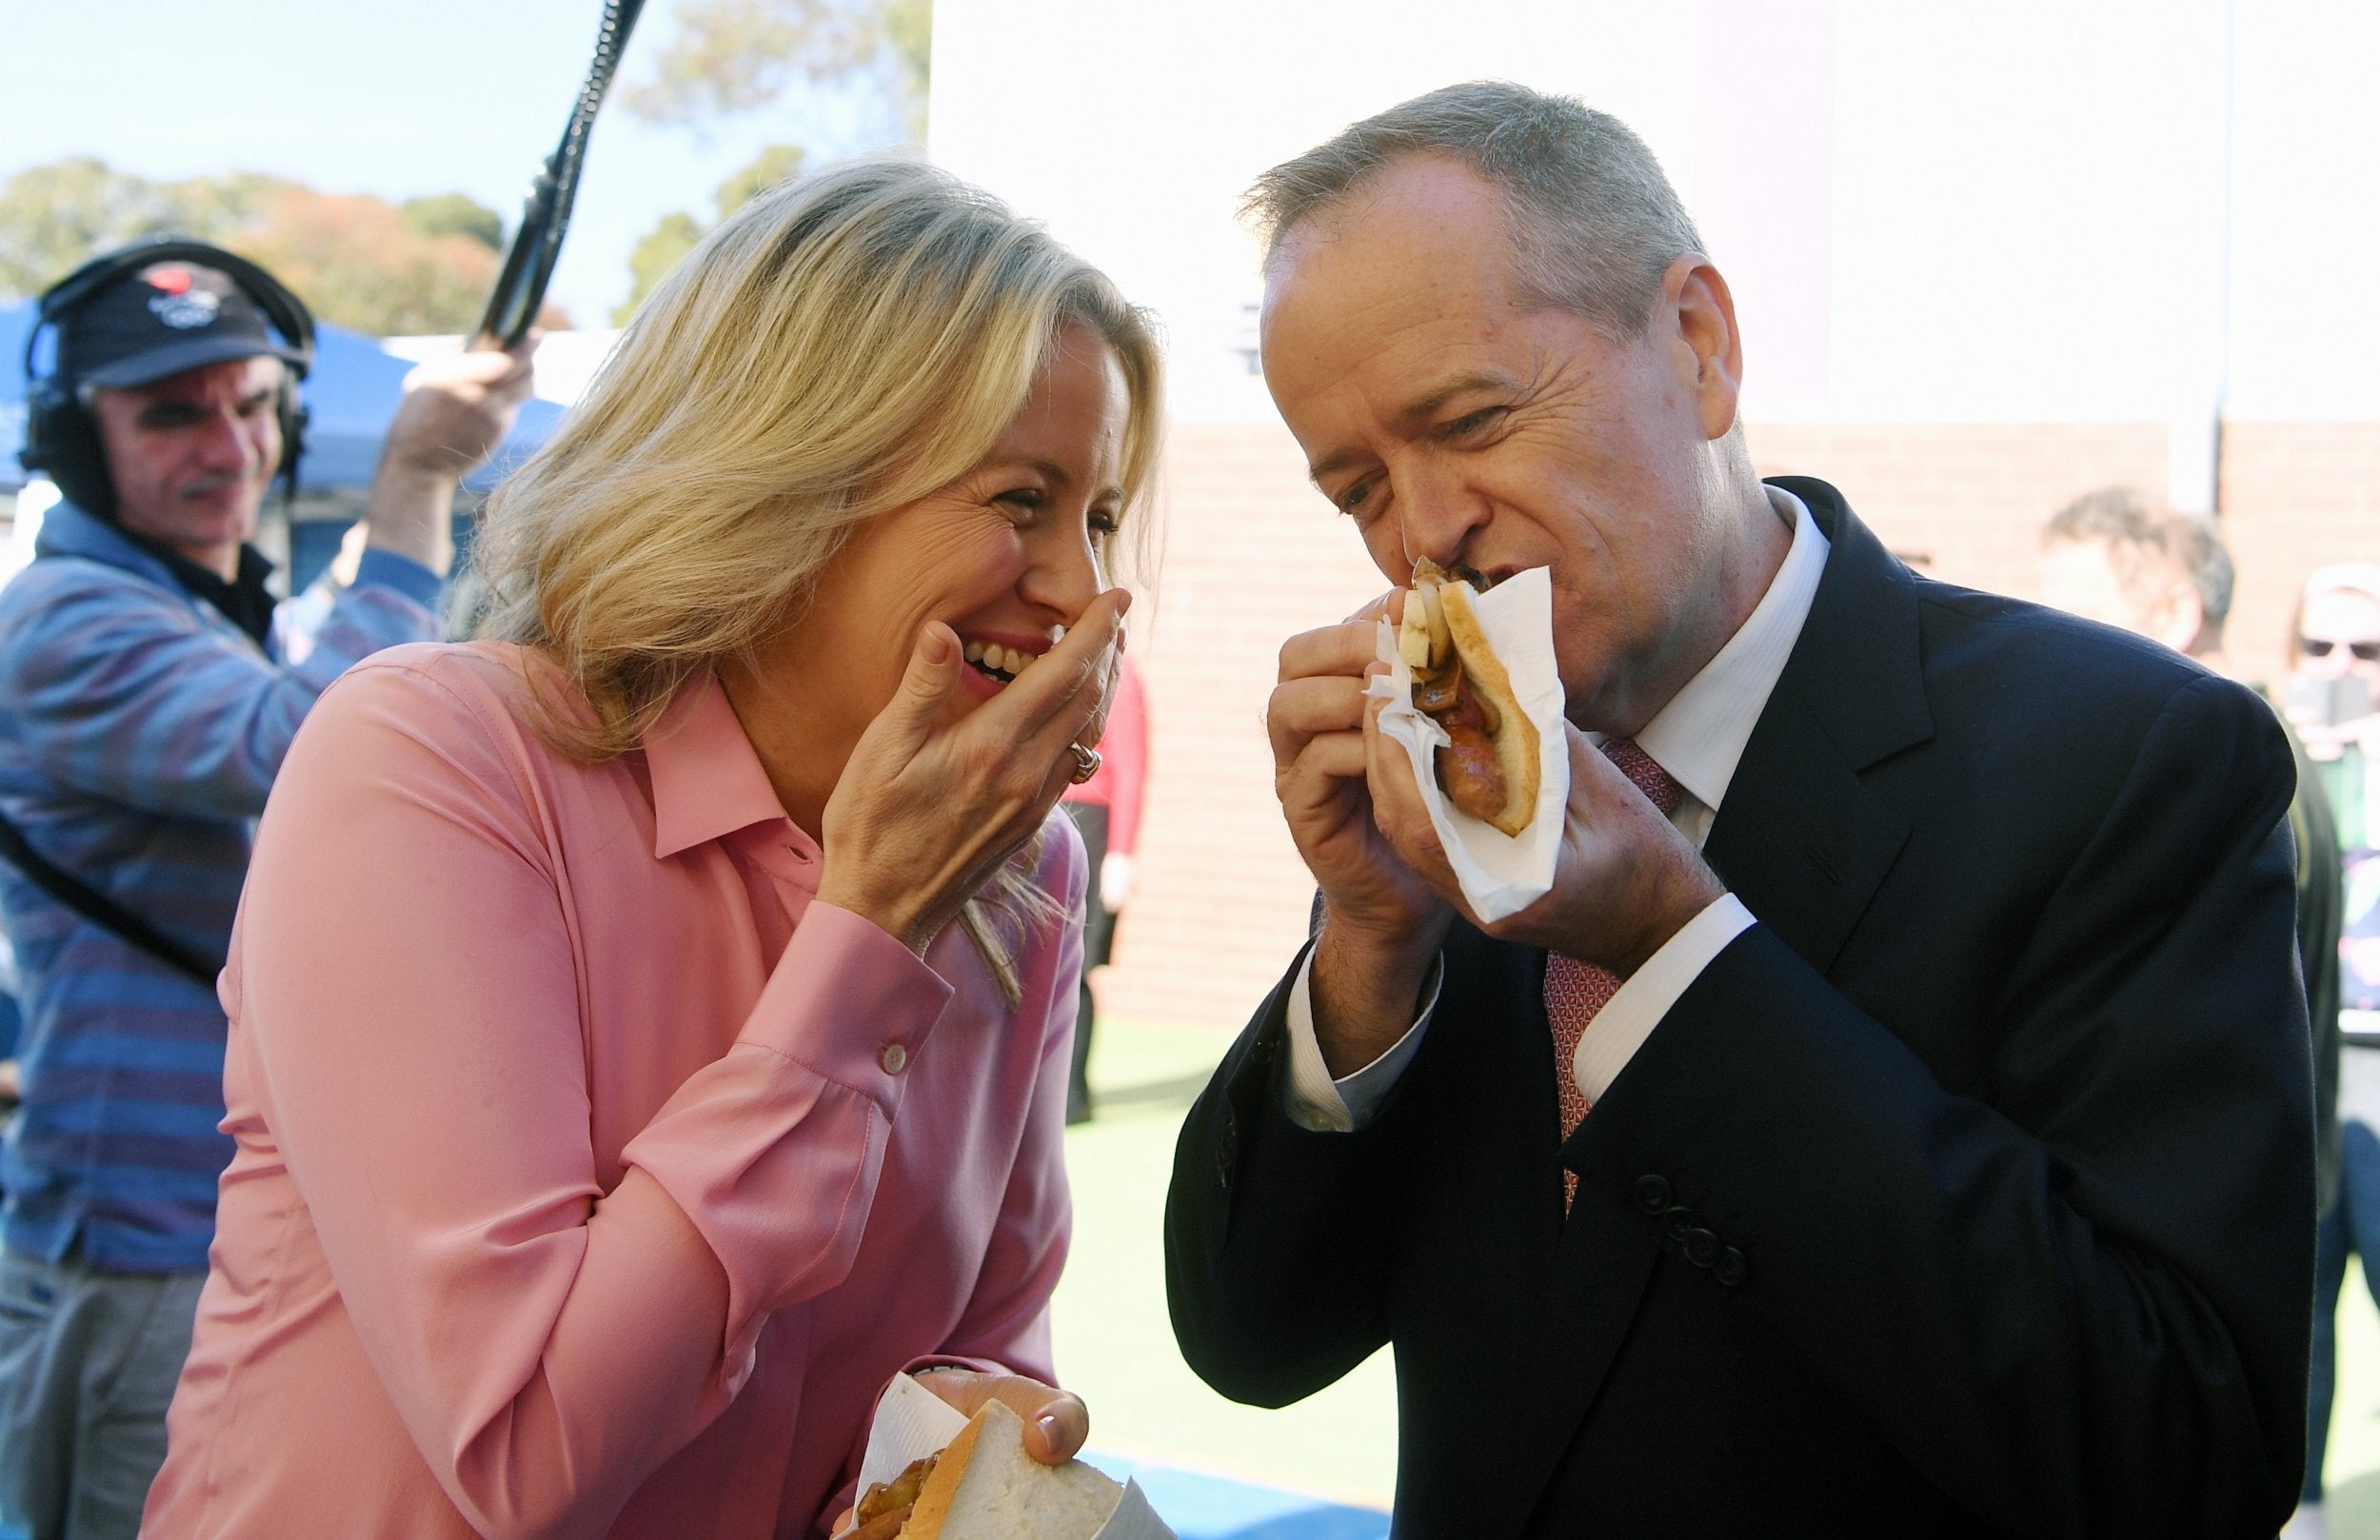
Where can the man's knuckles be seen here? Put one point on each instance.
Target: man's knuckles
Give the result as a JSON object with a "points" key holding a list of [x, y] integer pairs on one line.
{"points": [[1317, 704], [1332, 650]]}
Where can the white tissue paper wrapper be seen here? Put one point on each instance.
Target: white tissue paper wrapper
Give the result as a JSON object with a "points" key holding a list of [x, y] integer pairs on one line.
{"points": [[913, 1422], [1500, 874]]}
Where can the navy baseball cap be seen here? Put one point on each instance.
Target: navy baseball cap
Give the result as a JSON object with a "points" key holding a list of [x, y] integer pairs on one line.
{"points": [[166, 318]]}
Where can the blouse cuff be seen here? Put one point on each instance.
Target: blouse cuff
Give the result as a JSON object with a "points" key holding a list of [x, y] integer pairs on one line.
{"points": [[849, 1004]]}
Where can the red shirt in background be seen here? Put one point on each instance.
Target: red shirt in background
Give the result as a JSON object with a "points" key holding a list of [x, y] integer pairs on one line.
{"points": [[1123, 763]]}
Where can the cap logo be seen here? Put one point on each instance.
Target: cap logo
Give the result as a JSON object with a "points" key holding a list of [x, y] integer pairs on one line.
{"points": [[186, 312]]}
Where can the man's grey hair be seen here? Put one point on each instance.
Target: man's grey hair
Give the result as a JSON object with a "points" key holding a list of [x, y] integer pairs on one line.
{"points": [[1593, 223], [2136, 532]]}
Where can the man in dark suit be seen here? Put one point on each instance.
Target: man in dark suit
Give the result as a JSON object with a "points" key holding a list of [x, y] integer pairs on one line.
{"points": [[1879, 1126]]}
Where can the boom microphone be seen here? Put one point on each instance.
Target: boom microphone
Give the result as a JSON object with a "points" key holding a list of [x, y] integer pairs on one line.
{"points": [[545, 214]]}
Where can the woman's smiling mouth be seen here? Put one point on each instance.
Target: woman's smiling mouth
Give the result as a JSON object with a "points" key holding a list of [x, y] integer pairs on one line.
{"points": [[1000, 660]]}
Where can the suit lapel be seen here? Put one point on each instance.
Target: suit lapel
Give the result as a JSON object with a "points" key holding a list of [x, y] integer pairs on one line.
{"points": [[1801, 839], [1805, 844]]}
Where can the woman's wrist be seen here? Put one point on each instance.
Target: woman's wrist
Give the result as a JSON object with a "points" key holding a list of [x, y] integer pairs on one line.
{"points": [[900, 922]]}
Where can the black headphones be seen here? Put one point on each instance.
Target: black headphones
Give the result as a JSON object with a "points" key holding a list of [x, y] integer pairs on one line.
{"points": [[62, 440]]}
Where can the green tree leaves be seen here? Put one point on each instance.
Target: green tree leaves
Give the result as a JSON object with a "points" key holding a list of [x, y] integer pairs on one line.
{"points": [[665, 245], [452, 213], [733, 58], [730, 57], [356, 261]]}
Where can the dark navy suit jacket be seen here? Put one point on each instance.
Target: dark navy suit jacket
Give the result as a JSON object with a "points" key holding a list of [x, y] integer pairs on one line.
{"points": [[1968, 1192]]}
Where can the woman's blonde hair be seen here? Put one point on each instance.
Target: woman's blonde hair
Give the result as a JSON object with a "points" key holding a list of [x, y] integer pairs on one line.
{"points": [[837, 347]]}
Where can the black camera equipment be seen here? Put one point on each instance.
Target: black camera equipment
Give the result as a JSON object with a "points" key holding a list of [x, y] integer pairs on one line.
{"points": [[546, 214]]}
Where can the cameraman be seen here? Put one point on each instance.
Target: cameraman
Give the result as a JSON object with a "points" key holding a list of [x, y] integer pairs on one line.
{"points": [[144, 708]]}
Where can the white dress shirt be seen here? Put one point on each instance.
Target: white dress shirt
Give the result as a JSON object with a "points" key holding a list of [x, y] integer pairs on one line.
{"points": [[1698, 738]]}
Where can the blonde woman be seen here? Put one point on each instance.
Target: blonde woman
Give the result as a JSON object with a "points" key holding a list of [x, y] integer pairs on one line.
{"points": [[649, 1022]]}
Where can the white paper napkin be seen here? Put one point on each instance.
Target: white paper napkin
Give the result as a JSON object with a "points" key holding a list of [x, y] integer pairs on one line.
{"points": [[1500, 874], [913, 1422]]}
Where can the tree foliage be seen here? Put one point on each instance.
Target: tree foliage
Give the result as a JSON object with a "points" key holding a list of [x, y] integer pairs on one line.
{"points": [[663, 246], [732, 57], [454, 213], [729, 58], [667, 243], [358, 262], [909, 40], [777, 164], [52, 218]]}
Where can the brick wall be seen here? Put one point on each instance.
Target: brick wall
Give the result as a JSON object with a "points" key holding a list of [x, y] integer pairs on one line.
{"points": [[1253, 554], [2295, 495], [1965, 503]]}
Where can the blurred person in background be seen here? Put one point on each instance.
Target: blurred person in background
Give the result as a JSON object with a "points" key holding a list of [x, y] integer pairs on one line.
{"points": [[1106, 812], [145, 706], [2333, 683], [2334, 688], [651, 1021], [2114, 556]]}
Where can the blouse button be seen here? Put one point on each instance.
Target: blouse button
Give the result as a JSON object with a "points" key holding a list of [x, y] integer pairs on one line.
{"points": [[895, 1058]]}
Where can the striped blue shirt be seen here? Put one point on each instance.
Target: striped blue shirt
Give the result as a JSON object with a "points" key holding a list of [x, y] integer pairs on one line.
{"points": [[140, 730]]}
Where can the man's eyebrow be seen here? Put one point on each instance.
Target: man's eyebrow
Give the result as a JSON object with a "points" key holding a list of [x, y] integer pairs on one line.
{"points": [[1420, 409], [160, 411], [1338, 459], [1427, 405]]}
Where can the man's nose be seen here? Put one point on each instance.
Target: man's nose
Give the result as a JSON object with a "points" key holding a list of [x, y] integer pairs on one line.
{"points": [[231, 440], [1439, 512]]}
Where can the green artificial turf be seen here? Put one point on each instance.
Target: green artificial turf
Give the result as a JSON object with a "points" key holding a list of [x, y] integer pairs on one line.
{"points": [[1114, 1345], [1116, 1349]]}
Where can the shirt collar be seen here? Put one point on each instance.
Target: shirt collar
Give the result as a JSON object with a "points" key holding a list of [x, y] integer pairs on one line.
{"points": [[245, 600], [707, 783], [68, 529], [1700, 737]]}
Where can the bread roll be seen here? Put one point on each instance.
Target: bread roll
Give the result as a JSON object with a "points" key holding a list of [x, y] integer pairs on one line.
{"points": [[986, 1486]]}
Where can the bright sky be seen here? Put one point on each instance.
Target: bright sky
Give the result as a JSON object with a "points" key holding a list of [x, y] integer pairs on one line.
{"points": [[397, 100]]}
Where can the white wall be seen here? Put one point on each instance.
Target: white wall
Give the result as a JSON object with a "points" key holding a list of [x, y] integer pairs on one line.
{"points": [[2003, 213], [2306, 225]]}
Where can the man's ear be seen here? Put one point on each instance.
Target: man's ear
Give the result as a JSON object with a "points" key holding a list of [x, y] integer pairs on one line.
{"points": [[2176, 616], [1695, 300]]}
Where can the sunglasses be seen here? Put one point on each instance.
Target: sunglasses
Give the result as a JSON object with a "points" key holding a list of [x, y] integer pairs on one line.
{"points": [[2366, 652]]}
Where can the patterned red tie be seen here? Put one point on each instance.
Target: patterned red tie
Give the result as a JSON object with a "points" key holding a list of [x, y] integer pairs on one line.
{"points": [[1574, 990]]}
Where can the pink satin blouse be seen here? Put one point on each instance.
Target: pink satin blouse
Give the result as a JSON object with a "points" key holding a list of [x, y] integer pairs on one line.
{"points": [[591, 1179]]}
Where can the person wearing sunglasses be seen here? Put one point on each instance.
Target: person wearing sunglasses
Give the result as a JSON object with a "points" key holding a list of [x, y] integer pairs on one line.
{"points": [[2334, 676], [2363, 652], [2334, 684]]}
